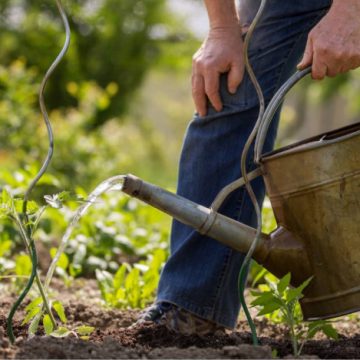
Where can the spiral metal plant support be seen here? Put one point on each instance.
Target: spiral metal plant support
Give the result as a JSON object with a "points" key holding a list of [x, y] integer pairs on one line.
{"points": [[27, 234]]}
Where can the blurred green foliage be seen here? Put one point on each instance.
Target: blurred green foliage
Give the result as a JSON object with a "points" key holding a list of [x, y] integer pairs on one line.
{"points": [[132, 286], [115, 229], [80, 157], [112, 42]]}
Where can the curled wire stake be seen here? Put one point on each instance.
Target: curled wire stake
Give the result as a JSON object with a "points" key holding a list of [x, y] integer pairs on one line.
{"points": [[41, 172], [243, 270], [43, 106]]}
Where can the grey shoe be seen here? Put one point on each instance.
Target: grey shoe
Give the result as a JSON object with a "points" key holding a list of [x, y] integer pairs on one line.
{"points": [[178, 320]]}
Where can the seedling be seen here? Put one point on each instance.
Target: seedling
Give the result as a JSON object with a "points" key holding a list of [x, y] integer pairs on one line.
{"points": [[279, 302], [41, 308], [131, 286]]}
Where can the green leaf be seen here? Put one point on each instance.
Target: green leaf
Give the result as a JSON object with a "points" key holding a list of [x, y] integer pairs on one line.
{"points": [[31, 206], [23, 265], [269, 308], [34, 303], [132, 287], [274, 353], [63, 261], [53, 201], [105, 281], [48, 325], [259, 276], [79, 255], [61, 332], [330, 331], [84, 330], [264, 298], [5, 246], [30, 315], [56, 201], [6, 199], [34, 325], [75, 269], [297, 293], [119, 277], [283, 283], [59, 308]]}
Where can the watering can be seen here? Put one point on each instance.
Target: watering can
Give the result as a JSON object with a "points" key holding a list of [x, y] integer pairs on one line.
{"points": [[314, 189]]}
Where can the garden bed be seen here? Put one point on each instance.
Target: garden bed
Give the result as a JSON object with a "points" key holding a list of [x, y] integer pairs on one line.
{"points": [[113, 339]]}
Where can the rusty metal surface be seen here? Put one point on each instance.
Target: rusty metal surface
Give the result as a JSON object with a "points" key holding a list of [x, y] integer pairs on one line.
{"points": [[315, 194]]}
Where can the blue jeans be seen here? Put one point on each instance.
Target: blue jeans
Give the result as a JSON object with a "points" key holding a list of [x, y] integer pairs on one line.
{"points": [[201, 274]]}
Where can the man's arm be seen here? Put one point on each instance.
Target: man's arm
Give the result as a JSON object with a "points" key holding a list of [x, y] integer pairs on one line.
{"points": [[221, 52], [333, 45]]}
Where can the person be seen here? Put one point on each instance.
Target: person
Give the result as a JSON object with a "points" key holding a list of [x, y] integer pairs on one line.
{"points": [[197, 292]]}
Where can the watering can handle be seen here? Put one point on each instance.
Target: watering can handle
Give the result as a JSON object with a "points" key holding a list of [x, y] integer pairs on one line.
{"points": [[271, 110]]}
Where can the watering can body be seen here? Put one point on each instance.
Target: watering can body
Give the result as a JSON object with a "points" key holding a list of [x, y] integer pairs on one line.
{"points": [[314, 189]]}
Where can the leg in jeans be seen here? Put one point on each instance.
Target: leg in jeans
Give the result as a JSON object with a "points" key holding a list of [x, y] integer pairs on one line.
{"points": [[201, 274]]}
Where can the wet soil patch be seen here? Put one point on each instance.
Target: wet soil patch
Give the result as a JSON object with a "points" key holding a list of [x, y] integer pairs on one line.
{"points": [[114, 339]]}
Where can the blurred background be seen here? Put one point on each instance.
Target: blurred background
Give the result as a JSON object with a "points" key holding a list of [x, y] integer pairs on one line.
{"points": [[121, 100], [119, 103]]}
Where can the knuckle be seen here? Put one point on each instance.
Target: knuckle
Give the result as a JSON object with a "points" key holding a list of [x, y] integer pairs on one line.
{"points": [[339, 54], [208, 65], [312, 35], [321, 48], [195, 62]]}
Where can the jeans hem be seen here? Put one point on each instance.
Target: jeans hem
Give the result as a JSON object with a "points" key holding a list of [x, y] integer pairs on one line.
{"points": [[200, 311]]}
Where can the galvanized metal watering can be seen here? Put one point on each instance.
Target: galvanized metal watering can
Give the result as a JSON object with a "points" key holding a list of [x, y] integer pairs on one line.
{"points": [[314, 189]]}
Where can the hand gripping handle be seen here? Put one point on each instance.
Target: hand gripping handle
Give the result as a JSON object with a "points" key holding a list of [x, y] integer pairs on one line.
{"points": [[271, 110]]}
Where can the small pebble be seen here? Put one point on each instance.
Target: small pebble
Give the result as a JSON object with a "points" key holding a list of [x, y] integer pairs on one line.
{"points": [[18, 340], [5, 343]]}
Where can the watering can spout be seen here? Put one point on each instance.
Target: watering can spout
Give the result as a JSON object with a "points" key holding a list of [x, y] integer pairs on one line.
{"points": [[204, 220], [279, 252]]}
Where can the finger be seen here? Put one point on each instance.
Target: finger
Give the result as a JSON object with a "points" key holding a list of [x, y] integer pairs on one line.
{"points": [[319, 70], [334, 62], [235, 77], [212, 82], [333, 70], [308, 55], [198, 94]]}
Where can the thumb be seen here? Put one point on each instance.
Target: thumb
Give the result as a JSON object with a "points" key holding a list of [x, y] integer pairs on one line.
{"points": [[235, 77], [307, 57]]}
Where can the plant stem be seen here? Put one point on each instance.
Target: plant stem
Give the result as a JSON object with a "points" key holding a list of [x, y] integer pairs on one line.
{"points": [[28, 242], [292, 331]]}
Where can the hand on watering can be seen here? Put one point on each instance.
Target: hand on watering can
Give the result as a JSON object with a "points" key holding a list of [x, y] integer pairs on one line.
{"points": [[221, 52], [333, 45]]}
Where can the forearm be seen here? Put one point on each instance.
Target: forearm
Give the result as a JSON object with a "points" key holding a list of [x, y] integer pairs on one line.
{"points": [[222, 13]]}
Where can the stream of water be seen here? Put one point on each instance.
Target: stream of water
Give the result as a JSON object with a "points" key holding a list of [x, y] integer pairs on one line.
{"points": [[113, 183]]}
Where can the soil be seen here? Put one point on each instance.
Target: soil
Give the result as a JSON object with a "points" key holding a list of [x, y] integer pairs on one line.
{"points": [[114, 339]]}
